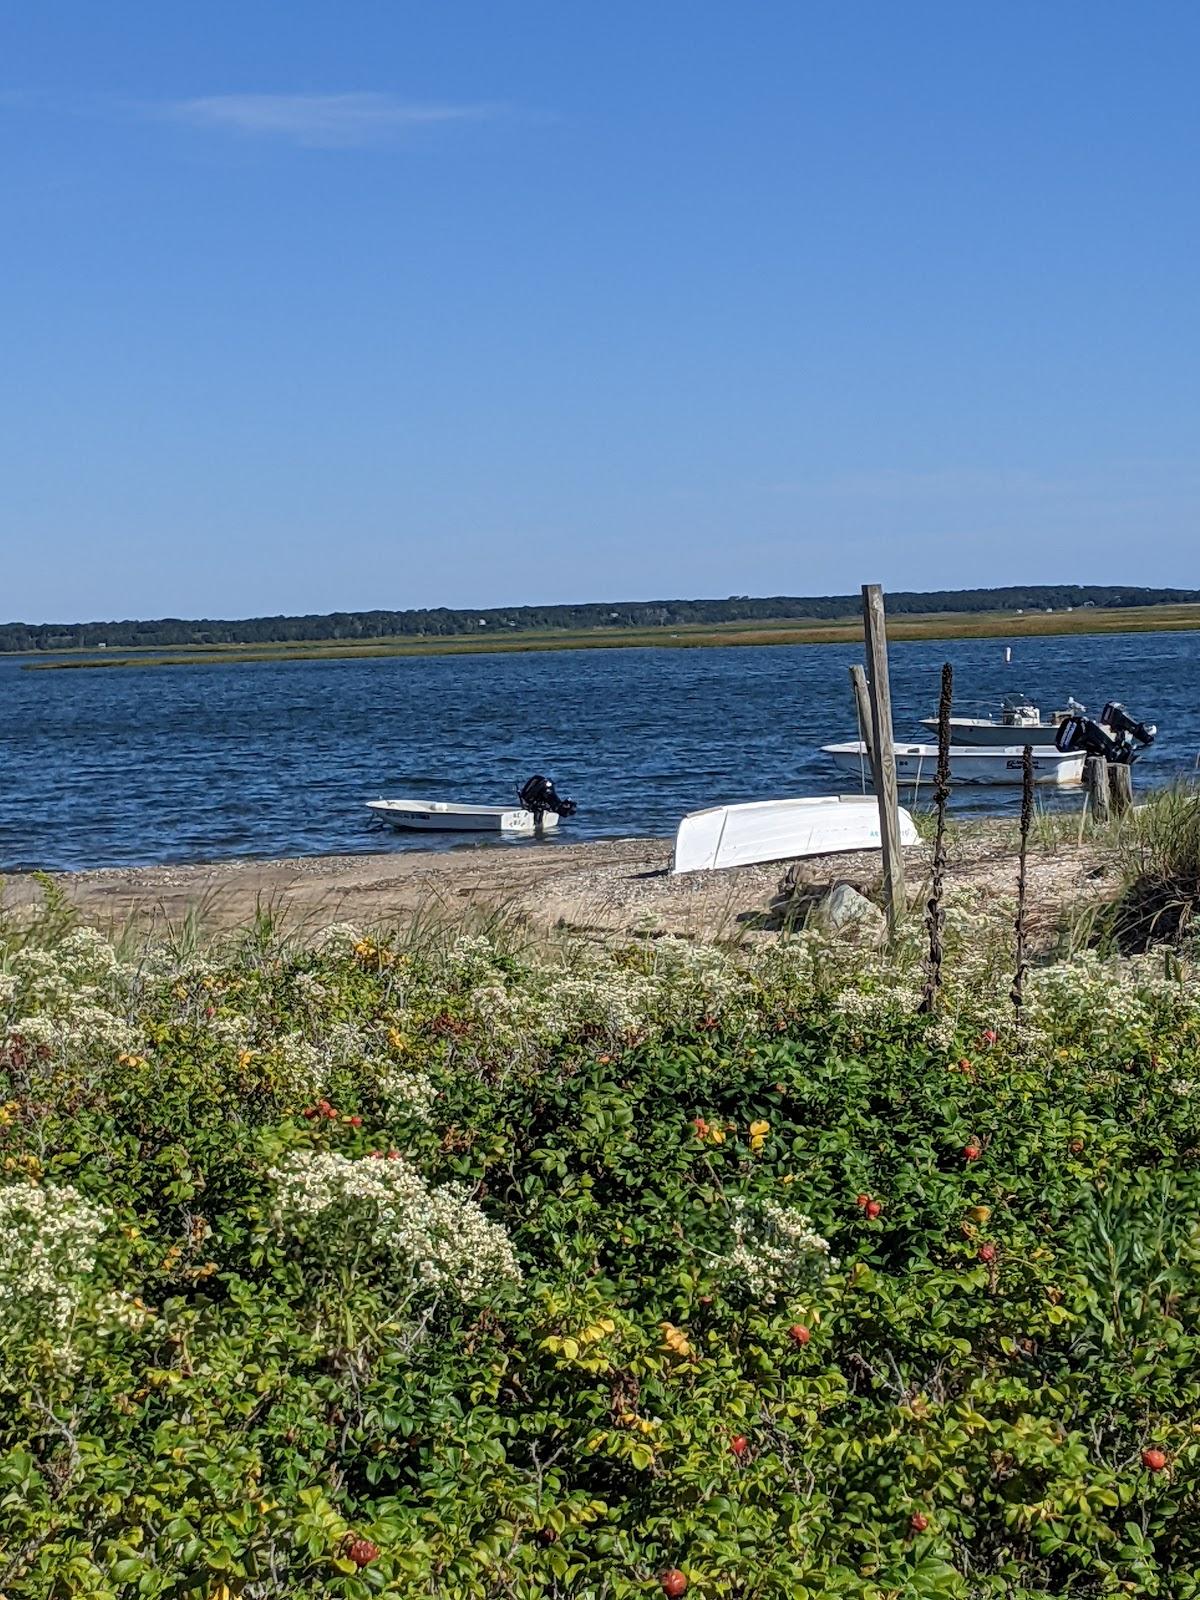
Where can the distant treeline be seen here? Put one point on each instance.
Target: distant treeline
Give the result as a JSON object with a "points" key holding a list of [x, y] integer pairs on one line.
{"points": [[440, 621]]}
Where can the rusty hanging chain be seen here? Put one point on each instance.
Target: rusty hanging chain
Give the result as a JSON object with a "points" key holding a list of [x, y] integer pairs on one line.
{"points": [[1018, 988], [935, 916]]}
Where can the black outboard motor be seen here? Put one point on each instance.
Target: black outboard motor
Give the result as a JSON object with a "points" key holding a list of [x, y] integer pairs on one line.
{"points": [[539, 795], [1116, 717], [1117, 741]]}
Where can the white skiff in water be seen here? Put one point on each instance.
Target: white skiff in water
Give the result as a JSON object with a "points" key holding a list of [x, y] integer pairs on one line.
{"points": [[917, 763], [780, 830], [441, 817], [1020, 723]]}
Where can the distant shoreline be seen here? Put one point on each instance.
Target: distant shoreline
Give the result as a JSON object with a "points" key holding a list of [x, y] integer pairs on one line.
{"points": [[901, 629]]}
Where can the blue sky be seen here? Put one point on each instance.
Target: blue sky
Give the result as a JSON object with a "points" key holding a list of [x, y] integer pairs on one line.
{"points": [[311, 306]]}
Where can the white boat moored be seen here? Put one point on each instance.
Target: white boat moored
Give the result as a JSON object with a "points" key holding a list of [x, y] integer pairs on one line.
{"points": [[917, 763], [441, 817], [780, 830], [981, 733], [1020, 723]]}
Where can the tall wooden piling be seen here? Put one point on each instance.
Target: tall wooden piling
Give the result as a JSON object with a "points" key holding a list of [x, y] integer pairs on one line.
{"points": [[895, 903]]}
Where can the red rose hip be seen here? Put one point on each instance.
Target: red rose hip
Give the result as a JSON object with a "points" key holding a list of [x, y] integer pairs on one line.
{"points": [[918, 1522], [362, 1552], [873, 1209], [673, 1581], [799, 1334], [739, 1444], [1153, 1460]]}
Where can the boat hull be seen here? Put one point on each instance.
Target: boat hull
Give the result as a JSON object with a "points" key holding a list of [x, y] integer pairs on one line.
{"points": [[780, 830], [978, 734], [426, 816], [917, 763]]}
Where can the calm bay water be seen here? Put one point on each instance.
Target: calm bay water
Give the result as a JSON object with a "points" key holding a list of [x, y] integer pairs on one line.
{"points": [[116, 767]]}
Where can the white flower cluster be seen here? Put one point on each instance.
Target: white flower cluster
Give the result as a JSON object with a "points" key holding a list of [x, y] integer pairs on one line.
{"points": [[298, 1067], [338, 939], [48, 1238], [406, 1089], [1112, 1005], [438, 1238], [69, 998], [81, 1025], [231, 1029], [525, 1011], [309, 989], [776, 1251], [51, 976], [118, 1309], [472, 960]]}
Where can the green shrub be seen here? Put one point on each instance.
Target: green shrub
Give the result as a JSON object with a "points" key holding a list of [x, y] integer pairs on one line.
{"points": [[678, 1262], [1159, 848]]}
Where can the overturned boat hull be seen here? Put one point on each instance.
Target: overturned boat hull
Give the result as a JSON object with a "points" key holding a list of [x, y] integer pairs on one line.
{"points": [[780, 830]]}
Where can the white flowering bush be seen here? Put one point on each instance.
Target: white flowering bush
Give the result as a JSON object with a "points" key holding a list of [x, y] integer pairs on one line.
{"points": [[358, 1211], [776, 1252], [48, 1239]]}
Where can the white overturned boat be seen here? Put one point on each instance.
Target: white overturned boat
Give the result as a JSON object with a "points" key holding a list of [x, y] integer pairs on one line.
{"points": [[538, 808], [437, 816], [780, 830], [917, 763]]}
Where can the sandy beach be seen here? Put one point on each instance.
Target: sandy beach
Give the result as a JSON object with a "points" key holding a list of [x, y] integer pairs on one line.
{"points": [[608, 888]]}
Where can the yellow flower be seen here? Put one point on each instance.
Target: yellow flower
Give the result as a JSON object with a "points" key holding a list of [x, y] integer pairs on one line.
{"points": [[758, 1134], [675, 1340]]}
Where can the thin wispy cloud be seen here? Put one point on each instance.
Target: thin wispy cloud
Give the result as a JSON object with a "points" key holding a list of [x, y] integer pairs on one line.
{"points": [[321, 121]]}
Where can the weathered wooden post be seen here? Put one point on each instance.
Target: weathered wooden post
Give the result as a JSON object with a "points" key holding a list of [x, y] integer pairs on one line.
{"points": [[1095, 776], [862, 704], [895, 903], [1120, 788]]}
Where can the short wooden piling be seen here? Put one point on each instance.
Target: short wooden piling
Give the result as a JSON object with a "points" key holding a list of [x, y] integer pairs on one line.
{"points": [[1120, 788], [1095, 776]]}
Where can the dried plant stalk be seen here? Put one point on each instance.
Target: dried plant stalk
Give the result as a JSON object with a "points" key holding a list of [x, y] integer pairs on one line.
{"points": [[935, 916]]}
